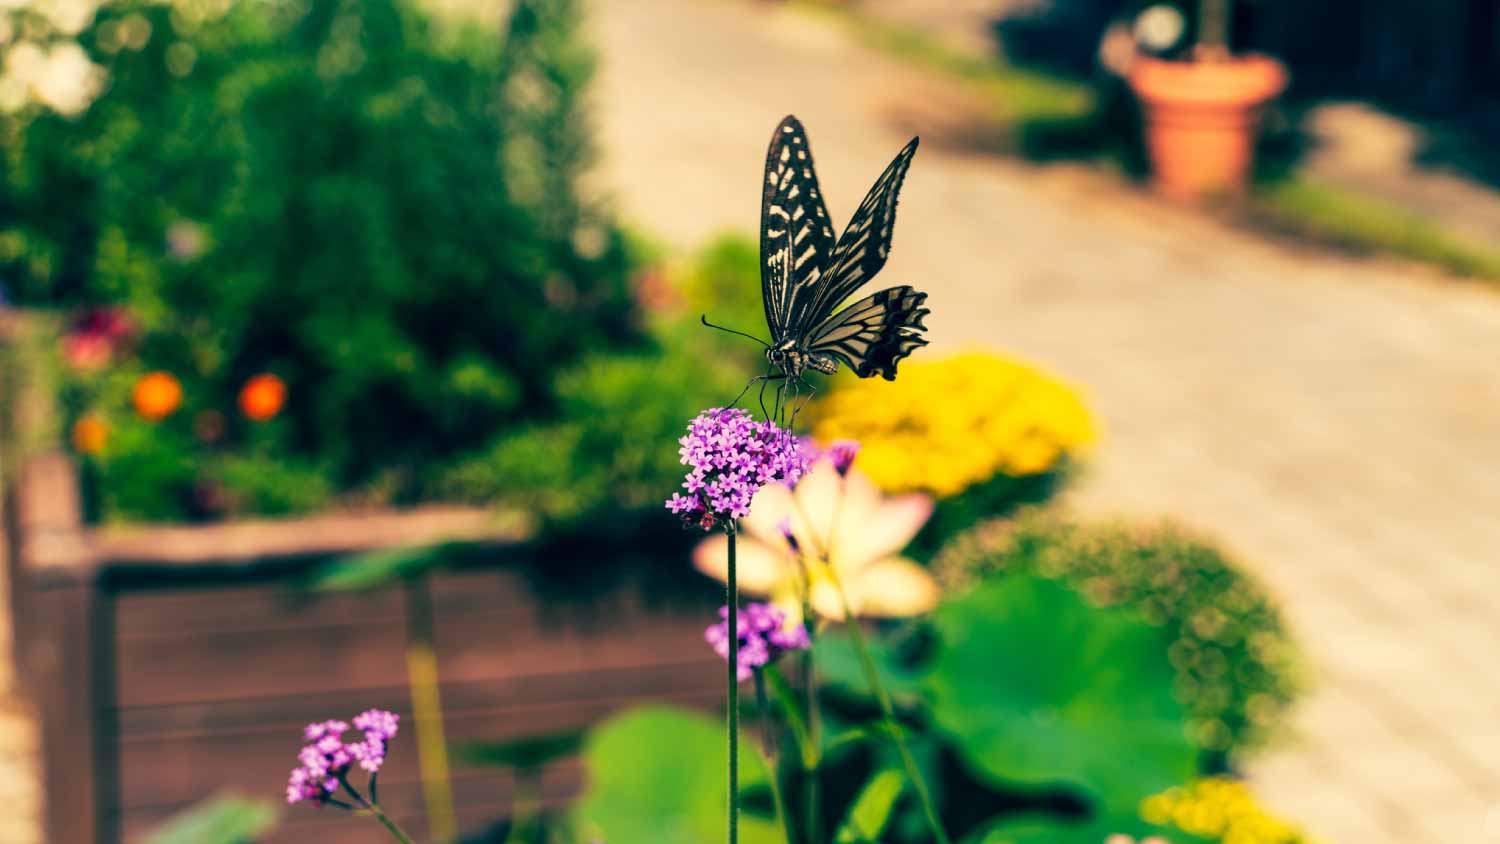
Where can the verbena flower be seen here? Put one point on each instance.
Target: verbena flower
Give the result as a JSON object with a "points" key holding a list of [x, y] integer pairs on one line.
{"points": [[764, 635], [730, 457], [842, 454], [838, 530], [326, 757]]}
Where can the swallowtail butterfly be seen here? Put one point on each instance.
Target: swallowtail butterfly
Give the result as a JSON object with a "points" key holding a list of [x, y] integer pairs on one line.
{"points": [[806, 274]]}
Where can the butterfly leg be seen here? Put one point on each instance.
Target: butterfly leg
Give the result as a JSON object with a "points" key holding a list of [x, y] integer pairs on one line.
{"points": [[764, 379], [812, 390]]}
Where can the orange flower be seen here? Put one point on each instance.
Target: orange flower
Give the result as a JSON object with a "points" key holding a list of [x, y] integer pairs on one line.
{"points": [[89, 435], [262, 397], [156, 396]]}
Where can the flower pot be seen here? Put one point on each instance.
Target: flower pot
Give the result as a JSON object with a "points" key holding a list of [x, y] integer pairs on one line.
{"points": [[1201, 119]]}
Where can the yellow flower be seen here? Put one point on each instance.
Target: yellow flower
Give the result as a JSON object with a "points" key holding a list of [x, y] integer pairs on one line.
{"points": [[849, 535], [1220, 810], [950, 424]]}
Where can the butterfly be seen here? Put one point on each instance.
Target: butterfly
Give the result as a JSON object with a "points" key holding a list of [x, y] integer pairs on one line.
{"points": [[806, 275]]}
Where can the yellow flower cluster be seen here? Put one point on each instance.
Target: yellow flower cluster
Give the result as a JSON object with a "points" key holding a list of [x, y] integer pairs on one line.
{"points": [[946, 425], [1219, 810]]}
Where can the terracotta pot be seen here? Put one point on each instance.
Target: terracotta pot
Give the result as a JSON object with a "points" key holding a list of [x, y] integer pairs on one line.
{"points": [[1201, 120]]}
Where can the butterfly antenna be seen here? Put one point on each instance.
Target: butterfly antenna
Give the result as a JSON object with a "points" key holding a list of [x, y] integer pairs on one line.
{"points": [[704, 319]]}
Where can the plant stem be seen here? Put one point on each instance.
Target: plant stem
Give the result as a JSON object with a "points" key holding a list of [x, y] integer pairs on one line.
{"points": [[872, 676], [427, 711], [732, 599], [768, 753], [1213, 28], [389, 824], [811, 761]]}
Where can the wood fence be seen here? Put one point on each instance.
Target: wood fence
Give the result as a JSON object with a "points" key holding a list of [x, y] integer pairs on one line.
{"points": [[172, 663]]}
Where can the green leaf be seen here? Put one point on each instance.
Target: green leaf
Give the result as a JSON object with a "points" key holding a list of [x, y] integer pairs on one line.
{"points": [[226, 819], [838, 665], [868, 816], [529, 752], [1038, 687], [658, 775], [375, 569]]}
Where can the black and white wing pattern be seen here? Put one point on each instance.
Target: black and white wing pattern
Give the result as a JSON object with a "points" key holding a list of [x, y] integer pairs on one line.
{"points": [[862, 249], [796, 236], [876, 332]]}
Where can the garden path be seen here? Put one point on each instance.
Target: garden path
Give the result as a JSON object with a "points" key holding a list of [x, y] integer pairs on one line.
{"points": [[1334, 421]]}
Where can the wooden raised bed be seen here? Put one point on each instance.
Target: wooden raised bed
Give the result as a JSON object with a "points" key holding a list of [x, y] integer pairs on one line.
{"points": [[169, 664]]}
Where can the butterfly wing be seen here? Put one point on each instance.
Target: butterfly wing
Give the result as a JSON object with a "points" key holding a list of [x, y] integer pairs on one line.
{"points": [[862, 249], [875, 333], [796, 238]]}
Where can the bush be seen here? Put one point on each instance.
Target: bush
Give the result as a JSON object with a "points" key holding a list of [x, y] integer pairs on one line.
{"points": [[980, 432], [1236, 664], [381, 211], [610, 454]]}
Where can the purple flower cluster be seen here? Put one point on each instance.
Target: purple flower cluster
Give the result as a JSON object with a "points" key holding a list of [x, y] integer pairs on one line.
{"points": [[764, 636], [326, 757], [730, 457]]}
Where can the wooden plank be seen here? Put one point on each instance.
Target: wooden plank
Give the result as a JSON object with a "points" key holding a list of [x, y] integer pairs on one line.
{"points": [[206, 666], [250, 540]]}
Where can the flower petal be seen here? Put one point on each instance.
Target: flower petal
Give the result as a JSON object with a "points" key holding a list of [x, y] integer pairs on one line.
{"points": [[760, 570], [893, 587], [871, 529]]}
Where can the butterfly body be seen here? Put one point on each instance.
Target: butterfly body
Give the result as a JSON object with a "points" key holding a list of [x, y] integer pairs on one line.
{"points": [[806, 275]]}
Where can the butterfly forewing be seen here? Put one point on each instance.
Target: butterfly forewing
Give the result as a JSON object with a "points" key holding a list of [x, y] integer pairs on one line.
{"points": [[796, 237], [862, 249]]}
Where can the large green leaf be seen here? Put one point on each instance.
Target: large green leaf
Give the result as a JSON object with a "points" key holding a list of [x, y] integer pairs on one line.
{"points": [[658, 775], [1038, 687], [226, 819]]}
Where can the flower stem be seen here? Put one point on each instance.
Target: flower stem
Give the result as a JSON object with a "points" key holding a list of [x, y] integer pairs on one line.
{"points": [[898, 735], [390, 825], [768, 753], [811, 759], [732, 598]]}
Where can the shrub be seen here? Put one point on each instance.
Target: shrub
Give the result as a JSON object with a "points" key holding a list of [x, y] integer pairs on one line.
{"points": [[380, 211], [601, 456], [1236, 664], [981, 432]]}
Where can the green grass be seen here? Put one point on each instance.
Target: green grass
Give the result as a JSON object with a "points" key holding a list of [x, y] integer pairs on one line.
{"points": [[1022, 97], [1356, 222]]}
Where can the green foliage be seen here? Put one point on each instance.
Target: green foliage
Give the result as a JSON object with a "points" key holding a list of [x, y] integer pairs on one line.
{"points": [[1236, 665], [1349, 220], [656, 776], [385, 214], [1037, 687], [609, 451], [530, 752], [226, 819], [873, 807]]}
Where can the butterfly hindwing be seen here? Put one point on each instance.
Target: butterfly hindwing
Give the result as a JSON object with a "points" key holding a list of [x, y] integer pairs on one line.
{"points": [[875, 333], [796, 236], [862, 249]]}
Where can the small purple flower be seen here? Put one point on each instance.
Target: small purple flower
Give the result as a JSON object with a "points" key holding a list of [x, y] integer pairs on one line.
{"points": [[763, 636], [842, 453], [730, 456], [326, 758]]}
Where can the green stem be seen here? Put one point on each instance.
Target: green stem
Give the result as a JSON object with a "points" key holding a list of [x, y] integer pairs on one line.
{"points": [[526, 806], [732, 598], [390, 825], [427, 711], [811, 755], [872, 676], [768, 753]]}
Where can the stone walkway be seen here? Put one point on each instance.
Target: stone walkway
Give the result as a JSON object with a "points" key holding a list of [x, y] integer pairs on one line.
{"points": [[1334, 421]]}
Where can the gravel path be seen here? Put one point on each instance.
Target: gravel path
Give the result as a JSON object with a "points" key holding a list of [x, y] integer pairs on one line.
{"points": [[1334, 421]]}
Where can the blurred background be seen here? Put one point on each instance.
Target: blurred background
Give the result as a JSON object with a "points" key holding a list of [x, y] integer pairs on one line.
{"points": [[344, 347]]}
